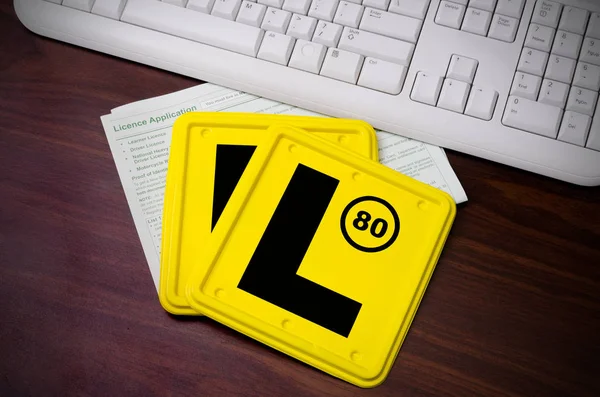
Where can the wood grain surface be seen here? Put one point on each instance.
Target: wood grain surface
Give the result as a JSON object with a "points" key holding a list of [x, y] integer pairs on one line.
{"points": [[513, 308]]}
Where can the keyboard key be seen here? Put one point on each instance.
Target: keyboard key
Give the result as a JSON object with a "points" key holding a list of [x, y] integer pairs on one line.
{"points": [[342, 65], [560, 69], [486, 5], [276, 48], [554, 93], [379, 4], [297, 6], [503, 28], [526, 86], [582, 100], [276, 20], [481, 103], [567, 44], [587, 76], [302, 27], [450, 14], [308, 56], [533, 61], [204, 6], [410, 8], [462, 68], [593, 29], [323, 9], [179, 3], [109, 8], [590, 52], [390, 24], [83, 5], [454, 95], [510, 8], [327, 33], [227, 9], [427, 88], [193, 25], [251, 13], [272, 3], [573, 20], [546, 13], [593, 141], [539, 37], [477, 21], [574, 128], [532, 116], [348, 14], [382, 76], [376, 46]]}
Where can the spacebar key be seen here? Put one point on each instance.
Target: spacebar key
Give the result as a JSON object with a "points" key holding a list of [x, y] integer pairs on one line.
{"points": [[532, 116], [193, 25]]}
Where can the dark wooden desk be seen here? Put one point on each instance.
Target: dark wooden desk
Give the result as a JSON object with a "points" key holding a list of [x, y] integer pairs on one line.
{"points": [[513, 308]]}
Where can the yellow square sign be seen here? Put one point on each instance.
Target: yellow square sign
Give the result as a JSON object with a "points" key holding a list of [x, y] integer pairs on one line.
{"points": [[209, 153], [322, 254]]}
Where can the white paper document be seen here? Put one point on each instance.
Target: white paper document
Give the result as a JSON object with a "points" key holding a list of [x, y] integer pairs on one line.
{"points": [[139, 135]]}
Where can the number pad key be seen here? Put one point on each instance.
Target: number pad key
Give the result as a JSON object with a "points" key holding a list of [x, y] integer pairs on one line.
{"points": [[546, 13], [587, 76], [539, 37], [582, 101], [560, 69], [574, 128], [593, 29], [573, 20], [590, 52], [567, 44], [554, 93], [526, 86], [533, 61]]}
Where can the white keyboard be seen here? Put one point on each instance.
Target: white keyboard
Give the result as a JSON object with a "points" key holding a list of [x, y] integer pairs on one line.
{"points": [[512, 81]]}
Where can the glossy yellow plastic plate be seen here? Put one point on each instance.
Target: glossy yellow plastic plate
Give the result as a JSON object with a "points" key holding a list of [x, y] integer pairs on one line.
{"points": [[209, 152], [321, 254]]}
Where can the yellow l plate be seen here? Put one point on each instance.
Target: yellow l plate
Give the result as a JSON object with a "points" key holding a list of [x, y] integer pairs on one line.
{"points": [[229, 139], [321, 254]]}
